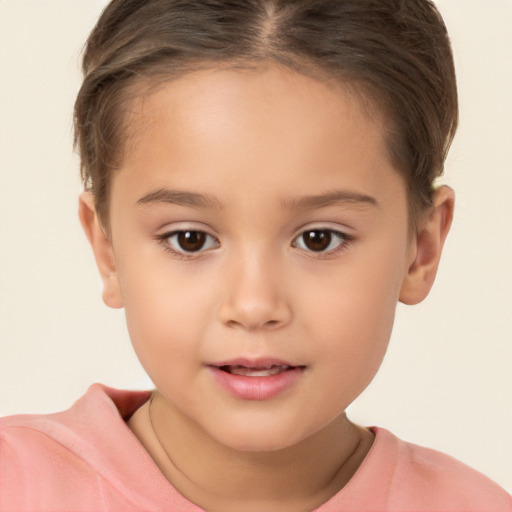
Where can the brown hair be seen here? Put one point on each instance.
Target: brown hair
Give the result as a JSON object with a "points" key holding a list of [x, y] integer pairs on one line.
{"points": [[398, 51]]}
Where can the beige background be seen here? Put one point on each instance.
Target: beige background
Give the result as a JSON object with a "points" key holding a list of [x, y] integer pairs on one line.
{"points": [[447, 380]]}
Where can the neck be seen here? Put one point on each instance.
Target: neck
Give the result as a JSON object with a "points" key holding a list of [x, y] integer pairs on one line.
{"points": [[217, 477]]}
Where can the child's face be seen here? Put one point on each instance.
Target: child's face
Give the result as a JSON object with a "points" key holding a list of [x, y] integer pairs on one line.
{"points": [[257, 220]]}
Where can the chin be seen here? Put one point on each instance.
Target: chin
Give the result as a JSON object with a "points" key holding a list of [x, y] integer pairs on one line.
{"points": [[259, 438]]}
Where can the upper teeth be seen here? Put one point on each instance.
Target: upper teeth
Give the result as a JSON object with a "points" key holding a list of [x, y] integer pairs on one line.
{"points": [[256, 372]]}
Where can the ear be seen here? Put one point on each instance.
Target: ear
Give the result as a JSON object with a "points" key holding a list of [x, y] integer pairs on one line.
{"points": [[102, 248], [427, 246]]}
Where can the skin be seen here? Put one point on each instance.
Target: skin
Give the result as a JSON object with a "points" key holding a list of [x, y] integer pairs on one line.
{"points": [[256, 143]]}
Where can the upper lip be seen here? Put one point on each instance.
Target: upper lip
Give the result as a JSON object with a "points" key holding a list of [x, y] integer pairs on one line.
{"points": [[257, 363]]}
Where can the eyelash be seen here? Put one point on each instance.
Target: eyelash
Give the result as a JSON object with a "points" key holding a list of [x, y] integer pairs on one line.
{"points": [[164, 239], [343, 238]]}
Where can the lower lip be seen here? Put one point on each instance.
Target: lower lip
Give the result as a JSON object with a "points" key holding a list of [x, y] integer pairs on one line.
{"points": [[256, 388]]}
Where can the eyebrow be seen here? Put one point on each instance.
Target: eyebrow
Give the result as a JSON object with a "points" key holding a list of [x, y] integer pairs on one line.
{"points": [[332, 198], [181, 198], [206, 201]]}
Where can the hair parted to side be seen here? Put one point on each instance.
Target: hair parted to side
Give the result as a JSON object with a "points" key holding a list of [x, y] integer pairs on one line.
{"points": [[397, 51]]}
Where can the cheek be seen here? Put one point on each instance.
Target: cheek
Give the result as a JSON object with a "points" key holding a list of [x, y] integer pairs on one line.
{"points": [[165, 313], [352, 318]]}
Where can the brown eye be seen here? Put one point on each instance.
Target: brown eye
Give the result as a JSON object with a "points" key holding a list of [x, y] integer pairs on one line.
{"points": [[320, 240], [317, 240], [191, 241]]}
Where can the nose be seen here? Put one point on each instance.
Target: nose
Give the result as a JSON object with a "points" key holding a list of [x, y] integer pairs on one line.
{"points": [[254, 295]]}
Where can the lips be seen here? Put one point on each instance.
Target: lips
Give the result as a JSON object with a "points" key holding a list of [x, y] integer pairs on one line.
{"points": [[256, 371], [260, 379]]}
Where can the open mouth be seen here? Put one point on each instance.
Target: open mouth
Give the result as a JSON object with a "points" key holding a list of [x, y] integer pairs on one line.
{"points": [[256, 379], [266, 371]]}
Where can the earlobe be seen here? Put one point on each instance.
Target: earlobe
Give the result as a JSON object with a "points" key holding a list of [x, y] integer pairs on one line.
{"points": [[102, 249], [428, 245]]}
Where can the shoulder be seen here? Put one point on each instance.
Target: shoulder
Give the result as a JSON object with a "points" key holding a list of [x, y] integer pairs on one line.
{"points": [[439, 481], [90, 420], [397, 476], [45, 456]]}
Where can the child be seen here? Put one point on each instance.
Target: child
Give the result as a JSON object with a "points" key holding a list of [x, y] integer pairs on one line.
{"points": [[259, 196]]}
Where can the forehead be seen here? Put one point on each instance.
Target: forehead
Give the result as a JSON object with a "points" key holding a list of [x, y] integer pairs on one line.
{"points": [[271, 124], [264, 94]]}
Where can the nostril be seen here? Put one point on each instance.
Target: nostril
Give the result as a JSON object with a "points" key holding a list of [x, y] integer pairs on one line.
{"points": [[254, 312], [250, 325]]}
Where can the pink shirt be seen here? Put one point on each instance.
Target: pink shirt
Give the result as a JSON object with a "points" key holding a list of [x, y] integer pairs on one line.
{"points": [[87, 459]]}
